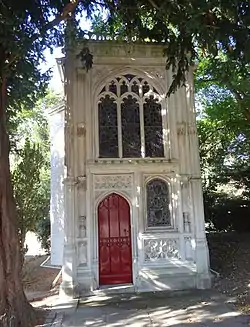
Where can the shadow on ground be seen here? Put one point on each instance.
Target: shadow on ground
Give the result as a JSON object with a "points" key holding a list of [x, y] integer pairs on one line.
{"points": [[177, 309]]}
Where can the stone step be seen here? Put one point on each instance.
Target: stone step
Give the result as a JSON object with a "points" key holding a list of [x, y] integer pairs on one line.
{"points": [[114, 289]]}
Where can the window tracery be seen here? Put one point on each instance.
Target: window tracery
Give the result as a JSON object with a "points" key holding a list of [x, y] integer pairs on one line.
{"points": [[153, 128], [131, 134], [108, 131], [158, 202], [130, 119]]}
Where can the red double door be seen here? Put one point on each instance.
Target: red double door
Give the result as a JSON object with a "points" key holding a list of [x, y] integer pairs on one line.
{"points": [[115, 255]]}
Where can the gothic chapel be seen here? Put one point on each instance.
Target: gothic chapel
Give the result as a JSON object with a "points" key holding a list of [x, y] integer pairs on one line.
{"points": [[126, 197]]}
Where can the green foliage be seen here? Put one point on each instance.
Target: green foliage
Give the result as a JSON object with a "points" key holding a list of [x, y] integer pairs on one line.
{"points": [[31, 168], [189, 29], [224, 134], [43, 233], [30, 180]]}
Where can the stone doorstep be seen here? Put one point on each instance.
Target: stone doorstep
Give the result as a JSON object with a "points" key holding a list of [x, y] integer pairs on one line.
{"points": [[114, 289]]}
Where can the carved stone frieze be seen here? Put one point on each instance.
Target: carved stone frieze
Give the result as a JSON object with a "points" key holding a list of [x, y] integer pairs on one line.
{"points": [[144, 161], [161, 249], [109, 182], [124, 50]]}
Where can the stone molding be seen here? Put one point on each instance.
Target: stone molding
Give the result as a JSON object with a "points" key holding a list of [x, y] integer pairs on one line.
{"points": [[122, 49]]}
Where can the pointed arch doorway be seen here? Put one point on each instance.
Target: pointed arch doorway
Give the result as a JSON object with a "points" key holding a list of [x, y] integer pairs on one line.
{"points": [[114, 234]]}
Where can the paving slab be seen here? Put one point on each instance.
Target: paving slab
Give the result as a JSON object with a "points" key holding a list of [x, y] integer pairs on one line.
{"points": [[176, 309]]}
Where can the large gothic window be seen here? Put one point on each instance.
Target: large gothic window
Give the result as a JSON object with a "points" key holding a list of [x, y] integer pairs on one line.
{"points": [[158, 202], [130, 119]]}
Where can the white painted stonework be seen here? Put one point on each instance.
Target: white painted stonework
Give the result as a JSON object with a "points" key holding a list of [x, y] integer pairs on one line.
{"points": [[163, 257], [57, 155]]}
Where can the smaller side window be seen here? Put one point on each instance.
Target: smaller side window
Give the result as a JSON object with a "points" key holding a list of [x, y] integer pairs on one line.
{"points": [[158, 203]]}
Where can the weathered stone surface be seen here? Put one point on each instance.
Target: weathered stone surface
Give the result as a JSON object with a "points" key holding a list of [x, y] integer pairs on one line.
{"points": [[179, 309]]}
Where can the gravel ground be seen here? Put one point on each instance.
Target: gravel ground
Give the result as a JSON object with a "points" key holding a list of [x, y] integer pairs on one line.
{"points": [[230, 256], [38, 280]]}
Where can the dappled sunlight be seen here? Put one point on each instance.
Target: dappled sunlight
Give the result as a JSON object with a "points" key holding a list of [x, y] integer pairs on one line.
{"points": [[193, 243], [176, 309]]}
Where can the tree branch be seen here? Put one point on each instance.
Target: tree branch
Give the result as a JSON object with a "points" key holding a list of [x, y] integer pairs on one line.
{"points": [[67, 12], [154, 4], [221, 128]]}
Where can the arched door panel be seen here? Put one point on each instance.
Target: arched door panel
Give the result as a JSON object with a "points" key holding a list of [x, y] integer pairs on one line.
{"points": [[115, 255]]}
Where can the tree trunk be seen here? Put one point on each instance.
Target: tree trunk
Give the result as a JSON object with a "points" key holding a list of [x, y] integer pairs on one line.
{"points": [[14, 307]]}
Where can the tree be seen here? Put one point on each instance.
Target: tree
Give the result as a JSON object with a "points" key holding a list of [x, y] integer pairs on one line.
{"points": [[23, 37], [188, 29], [229, 75], [30, 168], [224, 133], [31, 189], [27, 29]]}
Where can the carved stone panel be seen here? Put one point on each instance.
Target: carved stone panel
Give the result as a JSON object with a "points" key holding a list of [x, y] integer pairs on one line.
{"points": [[121, 182], [107, 182], [82, 253], [161, 249]]}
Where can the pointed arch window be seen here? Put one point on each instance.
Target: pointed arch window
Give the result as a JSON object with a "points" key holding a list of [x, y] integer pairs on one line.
{"points": [[108, 131], [158, 203], [130, 119]]}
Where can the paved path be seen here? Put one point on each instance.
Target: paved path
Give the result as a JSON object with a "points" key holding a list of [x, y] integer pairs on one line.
{"points": [[177, 309]]}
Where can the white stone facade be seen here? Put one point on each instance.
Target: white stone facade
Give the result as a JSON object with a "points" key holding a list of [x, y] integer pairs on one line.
{"points": [[172, 256], [57, 156]]}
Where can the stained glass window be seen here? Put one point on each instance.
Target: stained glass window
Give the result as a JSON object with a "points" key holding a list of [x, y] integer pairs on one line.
{"points": [[145, 88], [135, 88], [158, 213], [123, 88], [131, 135], [112, 87], [108, 131], [120, 119], [153, 128]]}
